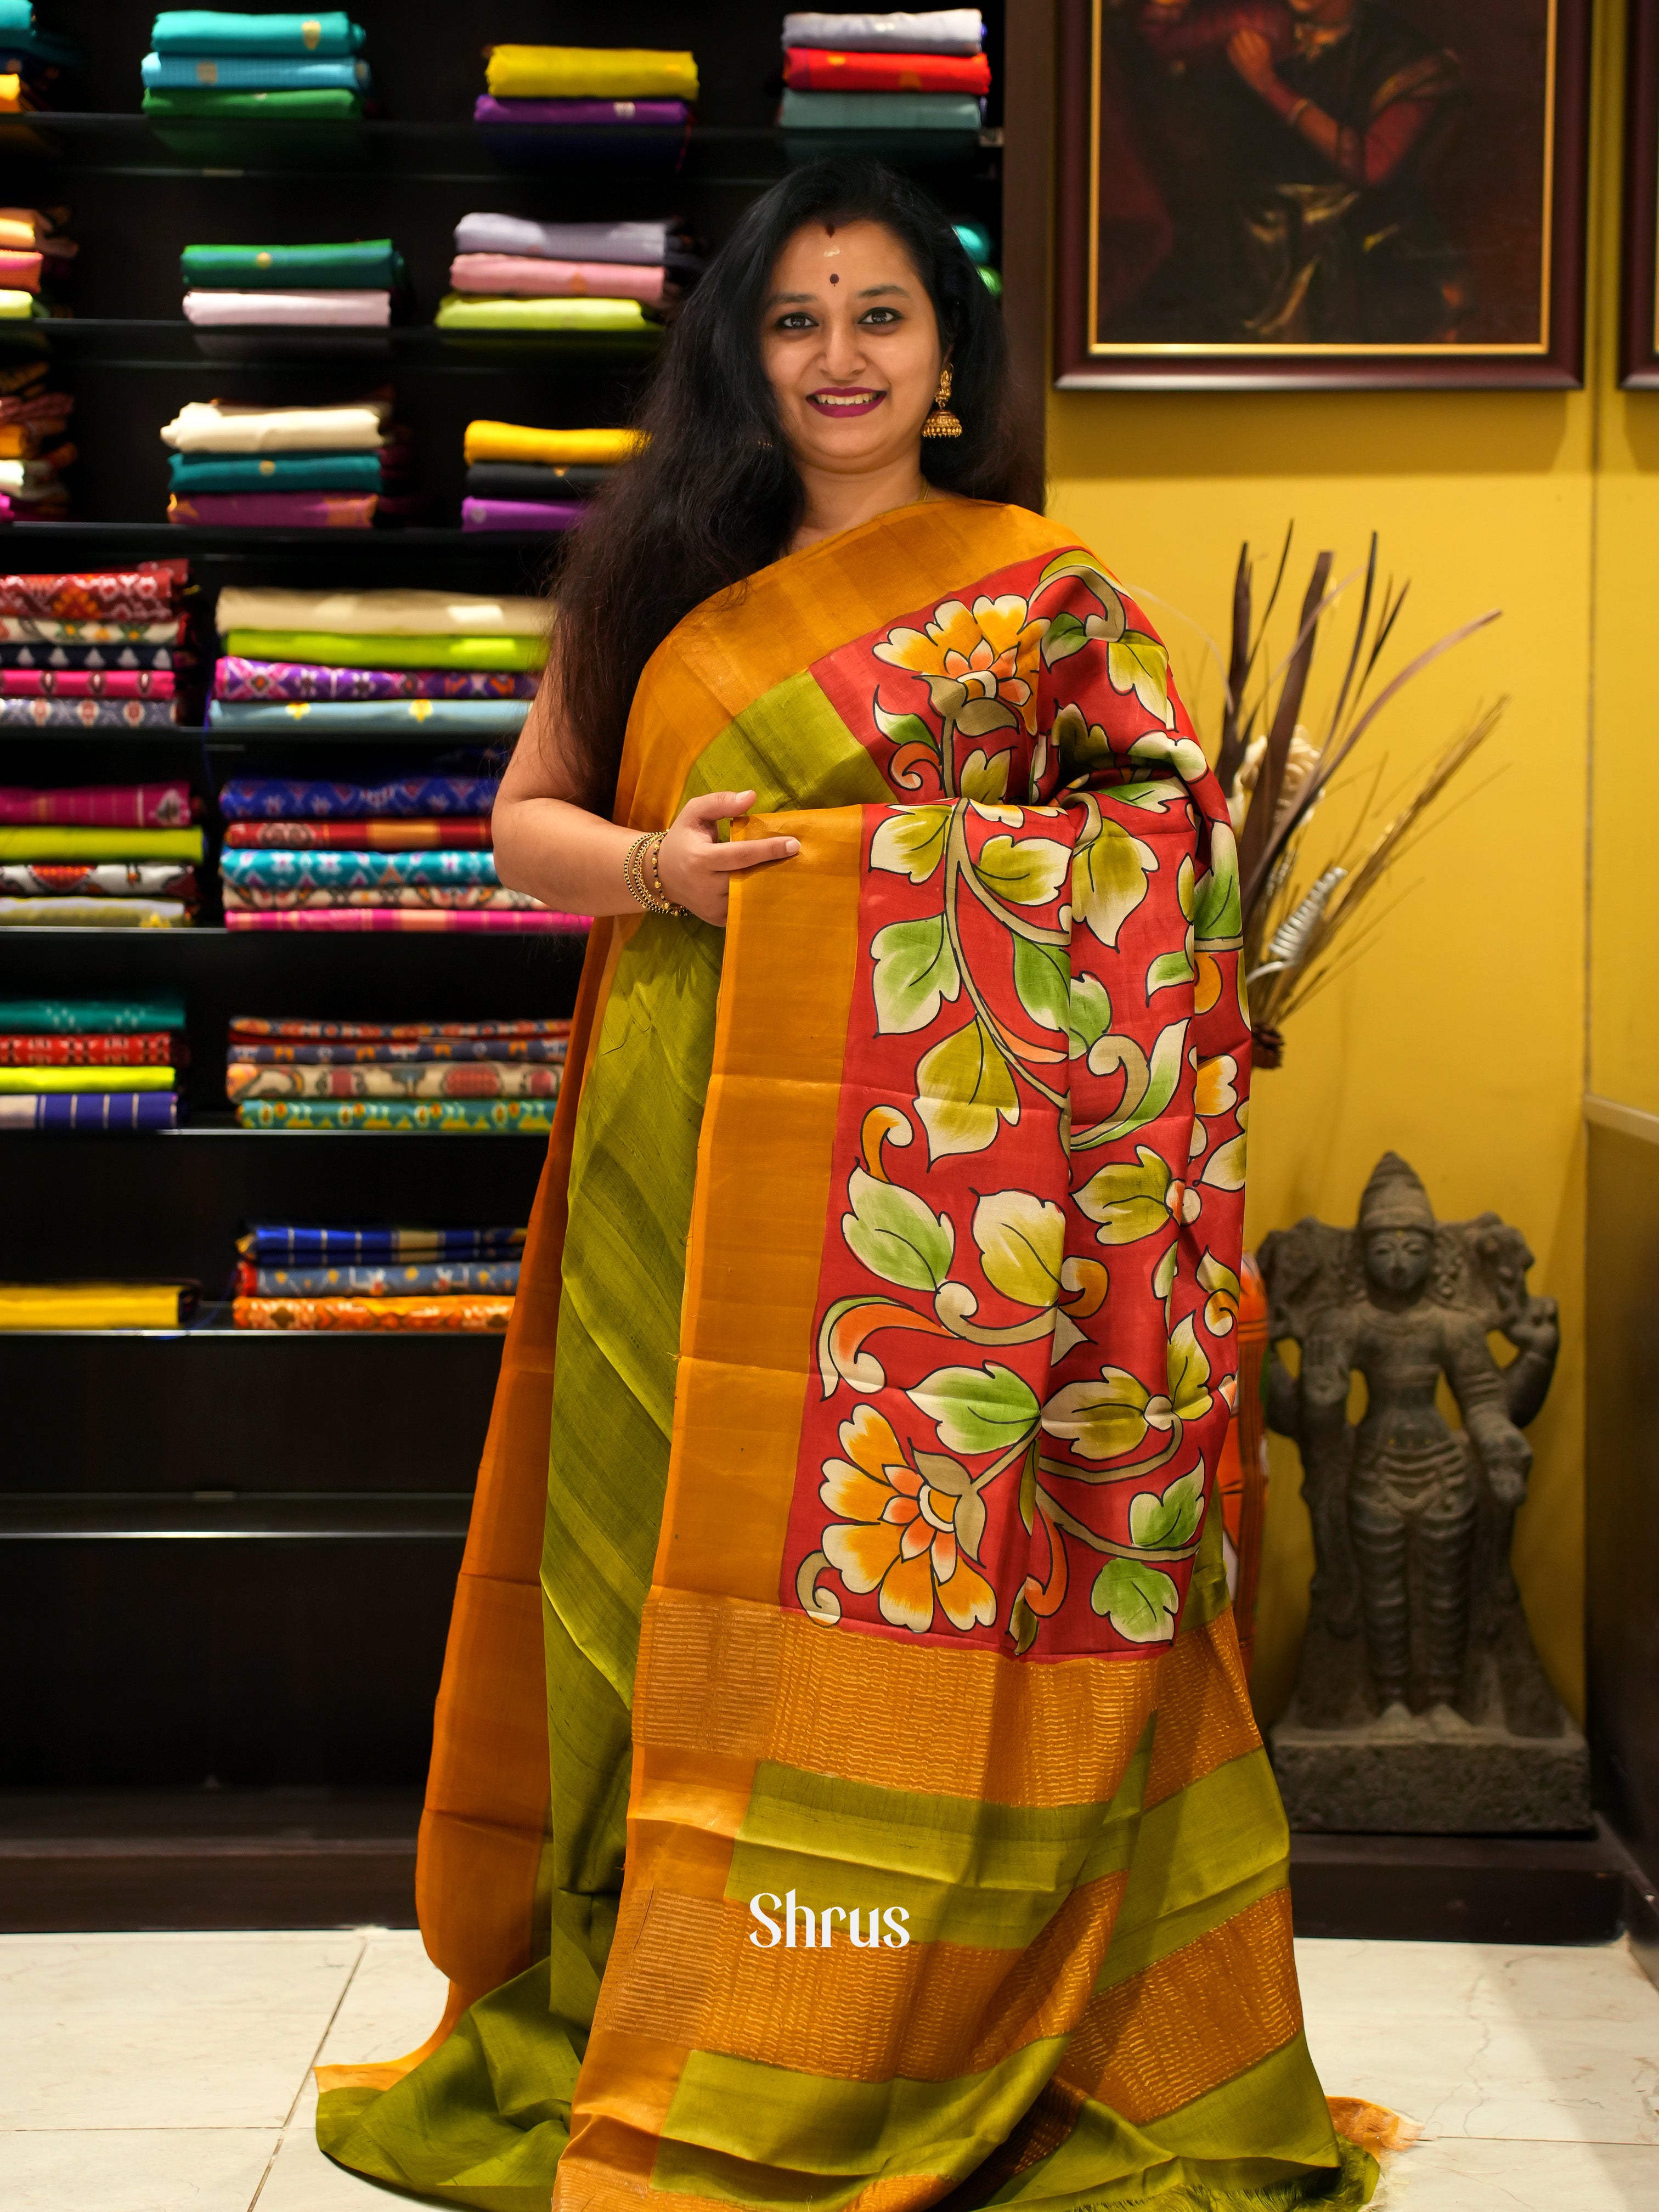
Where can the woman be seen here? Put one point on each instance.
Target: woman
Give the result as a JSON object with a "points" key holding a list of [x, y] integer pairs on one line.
{"points": [[881, 1615]]}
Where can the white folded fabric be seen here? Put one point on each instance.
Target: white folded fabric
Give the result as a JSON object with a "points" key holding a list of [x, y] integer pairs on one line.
{"points": [[359, 310], [27, 476], [648, 244], [218, 426], [93, 913], [939, 31], [379, 614]]}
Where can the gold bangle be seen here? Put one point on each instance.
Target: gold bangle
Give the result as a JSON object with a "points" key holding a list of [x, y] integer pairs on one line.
{"points": [[1296, 114], [654, 854], [640, 889]]}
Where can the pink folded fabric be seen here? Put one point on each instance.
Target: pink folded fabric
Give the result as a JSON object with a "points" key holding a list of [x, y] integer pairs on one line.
{"points": [[221, 310], [100, 806], [275, 510], [521, 513], [86, 684], [442, 918], [531, 277], [20, 272]]}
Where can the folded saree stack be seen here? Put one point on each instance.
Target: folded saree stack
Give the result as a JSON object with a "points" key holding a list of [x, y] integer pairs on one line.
{"points": [[296, 1277], [96, 649], [288, 468], [107, 857], [510, 273], [449, 1078], [30, 60], [578, 105], [894, 74], [37, 263], [211, 63], [94, 1066], [34, 447], [521, 478], [345, 286]]}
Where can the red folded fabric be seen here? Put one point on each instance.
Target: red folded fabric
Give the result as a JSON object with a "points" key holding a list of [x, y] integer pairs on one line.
{"points": [[86, 684], [406, 834], [100, 806], [145, 593], [275, 510], [139, 1049], [816, 69]]}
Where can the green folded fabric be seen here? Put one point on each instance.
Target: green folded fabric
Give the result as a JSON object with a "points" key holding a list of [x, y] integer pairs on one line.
{"points": [[337, 649], [880, 111], [300, 106], [42, 841], [363, 265], [216, 31], [88, 1017], [459, 312], [189, 472], [530, 1117]]}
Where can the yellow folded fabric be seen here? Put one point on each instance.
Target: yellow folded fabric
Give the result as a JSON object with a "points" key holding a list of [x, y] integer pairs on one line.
{"points": [[91, 1306], [590, 73], [49, 844], [16, 306], [516, 441], [464, 310], [32, 1079]]}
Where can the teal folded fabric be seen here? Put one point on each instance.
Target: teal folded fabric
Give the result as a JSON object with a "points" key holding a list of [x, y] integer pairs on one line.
{"points": [[215, 31], [359, 265], [881, 110], [190, 472], [88, 1017], [251, 73], [16, 15], [478, 718]]}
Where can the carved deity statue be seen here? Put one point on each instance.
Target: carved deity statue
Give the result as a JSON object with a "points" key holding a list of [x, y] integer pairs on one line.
{"points": [[1415, 1629]]}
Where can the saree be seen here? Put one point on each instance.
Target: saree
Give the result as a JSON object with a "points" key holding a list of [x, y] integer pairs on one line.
{"points": [[845, 1548]]}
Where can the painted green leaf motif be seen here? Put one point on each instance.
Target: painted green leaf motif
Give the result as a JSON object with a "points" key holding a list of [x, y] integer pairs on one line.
{"points": [[1217, 916], [914, 970], [1088, 1014], [1170, 967], [1140, 1600], [1164, 1524], [1022, 1241], [1143, 1097], [905, 729], [985, 777], [1025, 871], [897, 1235], [979, 717], [911, 842], [1023, 1625], [1066, 635], [1137, 663], [1129, 1199], [1221, 1305], [1076, 562], [1028, 1489], [975, 1409], [1184, 886], [1184, 755], [1042, 979], [1190, 1371], [962, 1085], [1101, 1418], [1109, 880], [1152, 797], [1224, 1169], [1163, 1277]]}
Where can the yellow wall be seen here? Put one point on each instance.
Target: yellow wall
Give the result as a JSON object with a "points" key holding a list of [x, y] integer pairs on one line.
{"points": [[1461, 1035]]}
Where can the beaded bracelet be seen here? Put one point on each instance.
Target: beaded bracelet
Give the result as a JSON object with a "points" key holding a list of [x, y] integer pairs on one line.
{"points": [[643, 852]]}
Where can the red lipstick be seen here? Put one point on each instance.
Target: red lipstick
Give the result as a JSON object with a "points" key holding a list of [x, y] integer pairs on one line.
{"points": [[841, 401]]}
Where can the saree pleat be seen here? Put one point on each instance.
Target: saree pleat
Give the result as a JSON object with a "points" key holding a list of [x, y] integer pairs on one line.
{"points": [[1092, 1999]]}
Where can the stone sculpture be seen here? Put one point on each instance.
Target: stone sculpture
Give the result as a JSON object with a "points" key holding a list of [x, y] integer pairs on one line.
{"points": [[1420, 1705]]}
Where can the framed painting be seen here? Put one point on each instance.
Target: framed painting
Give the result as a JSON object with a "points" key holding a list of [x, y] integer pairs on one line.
{"points": [[1285, 194], [1639, 359]]}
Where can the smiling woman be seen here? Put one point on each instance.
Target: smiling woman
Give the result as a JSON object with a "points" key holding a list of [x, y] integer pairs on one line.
{"points": [[848, 1529]]}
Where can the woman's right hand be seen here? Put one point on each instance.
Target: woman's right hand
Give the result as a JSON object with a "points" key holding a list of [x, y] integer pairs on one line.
{"points": [[696, 868]]}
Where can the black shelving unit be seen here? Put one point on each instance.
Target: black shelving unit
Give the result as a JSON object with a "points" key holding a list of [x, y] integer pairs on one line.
{"points": [[225, 1556]]}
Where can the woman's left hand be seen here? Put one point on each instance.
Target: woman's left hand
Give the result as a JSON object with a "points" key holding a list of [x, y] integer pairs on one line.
{"points": [[1252, 55], [697, 869]]}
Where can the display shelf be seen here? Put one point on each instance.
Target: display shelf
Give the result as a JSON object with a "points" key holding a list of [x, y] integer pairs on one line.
{"points": [[171, 342], [343, 1517]]}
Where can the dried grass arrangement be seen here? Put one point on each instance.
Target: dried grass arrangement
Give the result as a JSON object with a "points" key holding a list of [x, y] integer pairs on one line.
{"points": [[1300, 920]]}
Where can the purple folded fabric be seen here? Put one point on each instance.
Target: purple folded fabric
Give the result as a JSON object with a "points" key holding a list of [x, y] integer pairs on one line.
{"points": [[236, 677], [583, 114], [521, 513], [275, 510]]}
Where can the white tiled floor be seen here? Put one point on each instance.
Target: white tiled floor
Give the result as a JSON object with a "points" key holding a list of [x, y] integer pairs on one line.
{"points": [[172, 2073]]}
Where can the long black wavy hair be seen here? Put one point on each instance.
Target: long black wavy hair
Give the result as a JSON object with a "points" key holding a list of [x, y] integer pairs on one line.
{"points": [[714, 495]]}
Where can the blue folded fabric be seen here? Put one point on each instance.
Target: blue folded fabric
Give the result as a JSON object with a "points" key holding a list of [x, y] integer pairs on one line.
{"points": [[479, 717], [274, 472], [251, 73], [102, 1112], [282, 1242], [430, 1278], [215, 31]]}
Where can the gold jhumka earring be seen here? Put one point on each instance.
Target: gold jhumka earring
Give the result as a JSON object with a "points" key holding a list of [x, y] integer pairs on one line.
{"points": [[942, 423]]}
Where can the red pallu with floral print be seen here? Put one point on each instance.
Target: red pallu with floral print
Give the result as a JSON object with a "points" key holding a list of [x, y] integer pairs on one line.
{"points": [[937, 1621]]}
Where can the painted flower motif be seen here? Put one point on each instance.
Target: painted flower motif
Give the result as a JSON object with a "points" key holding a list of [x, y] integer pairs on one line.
{"points": [[988, 651], [904, 1536]]}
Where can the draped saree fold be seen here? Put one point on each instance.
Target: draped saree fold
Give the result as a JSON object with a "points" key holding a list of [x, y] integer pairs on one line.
{"points": [[853, 1570]]}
